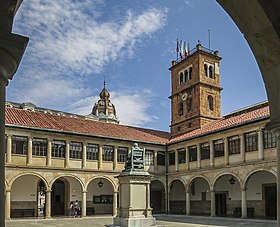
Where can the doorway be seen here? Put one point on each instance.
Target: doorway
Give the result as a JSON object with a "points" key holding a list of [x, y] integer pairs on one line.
{"points": [[270, 192], [58, 198], [156, 202], [221, 204]]}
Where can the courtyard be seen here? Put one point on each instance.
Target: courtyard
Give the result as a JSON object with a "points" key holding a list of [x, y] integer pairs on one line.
{"points": [[162, 220]]}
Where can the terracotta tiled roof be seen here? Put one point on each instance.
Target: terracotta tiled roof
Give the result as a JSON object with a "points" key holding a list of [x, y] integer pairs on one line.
{"points": [[242, 117], [79, 125], [41, 120]]}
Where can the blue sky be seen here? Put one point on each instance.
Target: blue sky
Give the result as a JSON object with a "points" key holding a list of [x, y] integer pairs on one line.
{"points": [[75, 44]]}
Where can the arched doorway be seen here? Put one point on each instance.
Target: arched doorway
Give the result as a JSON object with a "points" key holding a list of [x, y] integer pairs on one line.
{"points": [[27, 197], [227, 196], [262, 194], [177, 198], [157, 197], [100, 194], [65, 190], [200, 203]]}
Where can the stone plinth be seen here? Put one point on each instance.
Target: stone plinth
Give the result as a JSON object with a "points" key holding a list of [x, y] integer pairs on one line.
{"points": [[134, 200]]}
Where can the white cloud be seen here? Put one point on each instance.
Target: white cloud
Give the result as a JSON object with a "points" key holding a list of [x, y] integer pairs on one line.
{"points": [[131, 108]]}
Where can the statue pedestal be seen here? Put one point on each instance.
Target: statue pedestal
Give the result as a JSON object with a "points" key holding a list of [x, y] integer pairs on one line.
{"points": [[134, 200]]}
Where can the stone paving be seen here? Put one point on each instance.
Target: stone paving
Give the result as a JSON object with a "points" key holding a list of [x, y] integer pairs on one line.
{"points": [[162, 221]]}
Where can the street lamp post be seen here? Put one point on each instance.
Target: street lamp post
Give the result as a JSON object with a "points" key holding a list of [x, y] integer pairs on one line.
{"points": [[12, 47]]}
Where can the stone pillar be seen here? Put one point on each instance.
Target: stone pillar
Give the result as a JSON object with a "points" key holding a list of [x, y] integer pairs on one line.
{"points": [[115, 203], [67, 154], [167, 199], [100, 157], [8, 205], [155, 161], [213, 203], [188, 203], [244, 202], [84, 204], [260, 144], [49, 153], [115, 163], [242, 148], [176, 160], [198, 157], [29, 151], [226, 151], [211, 153], [84, 156], [148, 199], [187, 158], [48, 204], [9, 149]]}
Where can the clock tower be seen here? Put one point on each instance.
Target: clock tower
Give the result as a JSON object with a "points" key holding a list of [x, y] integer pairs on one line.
{"points": [[195, 97]]}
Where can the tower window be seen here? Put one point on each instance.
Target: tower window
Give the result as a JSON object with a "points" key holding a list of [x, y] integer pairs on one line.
{"points": [[211, 74], [181, 108], [186, 75], [210, 103], [190, 73], [181, 81], [205, 70], [189, 104]]}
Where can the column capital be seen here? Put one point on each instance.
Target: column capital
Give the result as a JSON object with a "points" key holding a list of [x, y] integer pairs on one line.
{"points": [[85, 191], [8, 190], [48, 191]]}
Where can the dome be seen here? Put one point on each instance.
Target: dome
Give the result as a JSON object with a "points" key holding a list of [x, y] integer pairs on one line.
{"points": [[104, 110]]}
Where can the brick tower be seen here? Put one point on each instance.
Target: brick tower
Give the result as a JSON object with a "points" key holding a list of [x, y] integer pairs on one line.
{"points": [[195, 98]]}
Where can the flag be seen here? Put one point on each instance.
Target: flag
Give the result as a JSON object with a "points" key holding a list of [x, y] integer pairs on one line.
{"points": [[180, 50], [186, 54]]}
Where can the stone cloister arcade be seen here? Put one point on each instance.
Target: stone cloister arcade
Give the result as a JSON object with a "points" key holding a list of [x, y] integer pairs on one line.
{"points": [[248, 192]]}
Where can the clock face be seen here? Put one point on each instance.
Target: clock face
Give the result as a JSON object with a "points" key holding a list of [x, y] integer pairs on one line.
{"points": [[184, 96]]}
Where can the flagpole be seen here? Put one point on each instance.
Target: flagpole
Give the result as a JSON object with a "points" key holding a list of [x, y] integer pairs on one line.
{"points": [[209, 38]]}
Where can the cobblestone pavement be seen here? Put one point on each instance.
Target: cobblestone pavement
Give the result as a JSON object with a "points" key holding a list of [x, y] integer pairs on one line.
{"points": [[162, 221]]}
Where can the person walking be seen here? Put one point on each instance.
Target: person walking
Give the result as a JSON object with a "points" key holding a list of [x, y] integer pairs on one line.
{"points": [[71, 210], [77, 208]]}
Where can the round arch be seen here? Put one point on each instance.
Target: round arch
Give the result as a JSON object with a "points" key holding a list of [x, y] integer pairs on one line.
{"points": [[26, 174], [176, 179], [246, 179], [224, 174], [66, 176], [113, 183], [157, 196], [188, 185]]}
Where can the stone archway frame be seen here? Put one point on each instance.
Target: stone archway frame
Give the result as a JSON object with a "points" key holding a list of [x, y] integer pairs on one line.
{"points": [[189, 183], [113, 182], [223, 174], [175, 179], [163, 184]]}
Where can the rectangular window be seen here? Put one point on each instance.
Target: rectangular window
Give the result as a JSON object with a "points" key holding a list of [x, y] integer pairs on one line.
{"points": [[204, 151], [108, 153], [149, 157], [251, 141], [171, 158], [92, 151], [161, 158], [233, 145], [182, 155], [192, 153], [219, 148], [76, 150], [58, 148], [181, 108], [39, 147], [122, 154], [269, 139], [19, 145]]}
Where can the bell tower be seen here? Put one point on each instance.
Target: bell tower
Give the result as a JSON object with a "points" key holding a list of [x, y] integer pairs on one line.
{"points": [[195, 97]]}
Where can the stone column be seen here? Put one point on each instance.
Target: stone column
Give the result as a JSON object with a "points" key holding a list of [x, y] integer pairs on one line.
{"points": [[29, 151], [242, 147], [260, 144], [155, 161], [115, 203], [84, 204], [48, 204], [67, 154], [198, 157], [188, 203], [148, 201], [168, 201], [244, 202], [84, 156], [9, 149], [226, 151], [8, 205], [176, 160], [115, 163], [211, 153], [213, 203], [100, 157], [49, 153], [187, 158]]}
